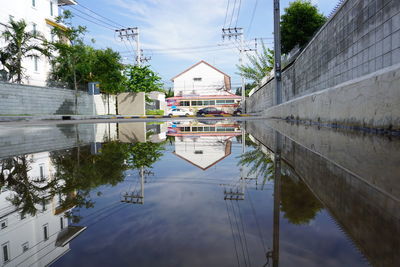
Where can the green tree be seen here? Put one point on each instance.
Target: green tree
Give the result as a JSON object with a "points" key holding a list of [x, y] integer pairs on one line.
{"points": [[259, 65], [299, 23], [142, 79], [107, 69], [20, 44], [248, 87]]}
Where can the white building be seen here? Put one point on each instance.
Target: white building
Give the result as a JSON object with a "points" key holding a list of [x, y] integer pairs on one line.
{"points": [[34, 240], [40, 16], [203, 85], [204, 145]]}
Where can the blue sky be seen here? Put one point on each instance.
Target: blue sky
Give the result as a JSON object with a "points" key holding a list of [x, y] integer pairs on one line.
{"points": [[169, 24]]}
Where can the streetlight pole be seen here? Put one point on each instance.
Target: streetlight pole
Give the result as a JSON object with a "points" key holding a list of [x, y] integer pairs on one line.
{"points": [[277, 48]]}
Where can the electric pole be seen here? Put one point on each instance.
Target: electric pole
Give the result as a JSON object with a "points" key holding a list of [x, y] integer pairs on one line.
{"points": [[128, 34], [277, 48], [237, 33]]}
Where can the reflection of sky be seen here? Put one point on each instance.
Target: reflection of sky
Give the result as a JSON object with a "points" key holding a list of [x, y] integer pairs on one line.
{"points": [[184, 222]]}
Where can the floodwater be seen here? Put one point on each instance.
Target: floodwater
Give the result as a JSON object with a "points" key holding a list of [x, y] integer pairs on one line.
{"points": [[198, 193]]}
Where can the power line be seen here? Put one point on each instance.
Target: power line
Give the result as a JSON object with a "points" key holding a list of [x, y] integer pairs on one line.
{"points": [[252, 18], [85, 14], [233, 10], [226, 13], [116, 23], [93, 22], [237, 17]]}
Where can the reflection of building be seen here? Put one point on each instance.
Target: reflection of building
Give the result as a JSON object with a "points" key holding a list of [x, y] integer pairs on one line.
{"points": [[203, 85], [203, 145], [39, 17], [37, 240]]}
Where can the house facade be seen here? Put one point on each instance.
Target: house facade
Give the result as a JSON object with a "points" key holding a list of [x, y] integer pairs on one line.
{"points": [[40, 16], [203, 85]]}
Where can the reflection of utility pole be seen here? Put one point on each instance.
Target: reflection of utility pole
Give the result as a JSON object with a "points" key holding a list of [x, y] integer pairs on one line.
{"points": [[136, 197], [274, 254]]}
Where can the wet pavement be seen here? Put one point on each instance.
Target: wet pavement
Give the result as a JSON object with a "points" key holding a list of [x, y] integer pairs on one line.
{"points": [[198, 192]]}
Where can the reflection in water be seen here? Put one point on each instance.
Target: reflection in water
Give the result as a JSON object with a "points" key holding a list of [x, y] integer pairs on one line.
{"points": [[204, 203]]}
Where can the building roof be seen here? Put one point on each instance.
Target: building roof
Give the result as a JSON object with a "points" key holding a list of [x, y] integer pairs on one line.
{"points": [[198, 63]]}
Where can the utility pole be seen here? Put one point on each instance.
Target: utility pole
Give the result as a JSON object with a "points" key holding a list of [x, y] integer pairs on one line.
{"points": [[128, 34], [277, 48]]}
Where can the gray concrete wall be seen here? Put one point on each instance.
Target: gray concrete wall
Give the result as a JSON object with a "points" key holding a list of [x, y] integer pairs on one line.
{"points": [[34, 100], [361, 38], [355, 177], [131, 103]]}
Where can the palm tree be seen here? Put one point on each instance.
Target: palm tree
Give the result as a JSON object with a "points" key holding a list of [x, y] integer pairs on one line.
{"points": [[20, 44], [260, 65]]}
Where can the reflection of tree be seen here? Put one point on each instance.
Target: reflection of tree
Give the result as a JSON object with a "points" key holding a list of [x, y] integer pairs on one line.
{"points": [[260, 163], [77, 173], [27, 192], [298, 202]]}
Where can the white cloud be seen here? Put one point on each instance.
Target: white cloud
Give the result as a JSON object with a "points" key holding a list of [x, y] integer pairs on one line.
{"points": [[176, 23]]}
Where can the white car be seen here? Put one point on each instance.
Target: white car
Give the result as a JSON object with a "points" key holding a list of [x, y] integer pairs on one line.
{"points": [[178, 111]]}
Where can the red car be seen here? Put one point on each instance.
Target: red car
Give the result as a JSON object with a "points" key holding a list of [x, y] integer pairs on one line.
{"points": [[210, 111]]}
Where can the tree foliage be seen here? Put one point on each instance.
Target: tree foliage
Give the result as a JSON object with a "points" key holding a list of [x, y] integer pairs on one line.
{"points": [[259, 65], [76, 63], [20, 44], [299, 23], [142, 79]]}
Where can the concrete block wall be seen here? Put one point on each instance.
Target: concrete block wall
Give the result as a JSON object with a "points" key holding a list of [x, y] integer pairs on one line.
{"points": [[362, 37], [34, 100], [16, 99]]}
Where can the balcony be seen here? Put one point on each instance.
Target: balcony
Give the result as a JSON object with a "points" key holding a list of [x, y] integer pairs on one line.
{"points": [[66, 2]]}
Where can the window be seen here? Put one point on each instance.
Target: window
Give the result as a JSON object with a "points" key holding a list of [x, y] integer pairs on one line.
{"points": [[3, 224], [36, 63], [41, 171], [185, 103], [44, 205], [34, 28], [198, 152], [222, 102], [6, 252], [33, 3], [198, 79], [51, 8], [45, 232], [25, 247], [212, 102], [61, 223]]}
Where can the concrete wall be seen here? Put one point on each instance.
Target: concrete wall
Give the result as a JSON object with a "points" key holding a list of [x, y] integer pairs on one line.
{"points": [[361, 38], [131, 103], [354, 176], [18, 99]]}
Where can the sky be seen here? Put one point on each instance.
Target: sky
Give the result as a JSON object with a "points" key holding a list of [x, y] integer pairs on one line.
{"points": [[178, 33]]}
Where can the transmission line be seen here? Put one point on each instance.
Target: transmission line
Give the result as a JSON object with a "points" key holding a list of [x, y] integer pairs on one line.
{"points": [[232, 15], [237, 17], [116, 23], [226, 13], [252, 18], [93, 17], [94, 22]]}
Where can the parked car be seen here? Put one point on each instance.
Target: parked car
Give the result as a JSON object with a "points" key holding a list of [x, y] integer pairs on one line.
{"points": [[213, 111], [237, 111], [179, 111]]}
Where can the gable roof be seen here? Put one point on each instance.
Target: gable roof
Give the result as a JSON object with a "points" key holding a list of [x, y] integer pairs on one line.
{"points": [[198, 63]]}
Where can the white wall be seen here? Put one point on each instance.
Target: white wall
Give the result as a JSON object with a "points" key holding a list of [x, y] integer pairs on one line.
{"points": [[211, 81], [30, 229], [23, 9]]}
